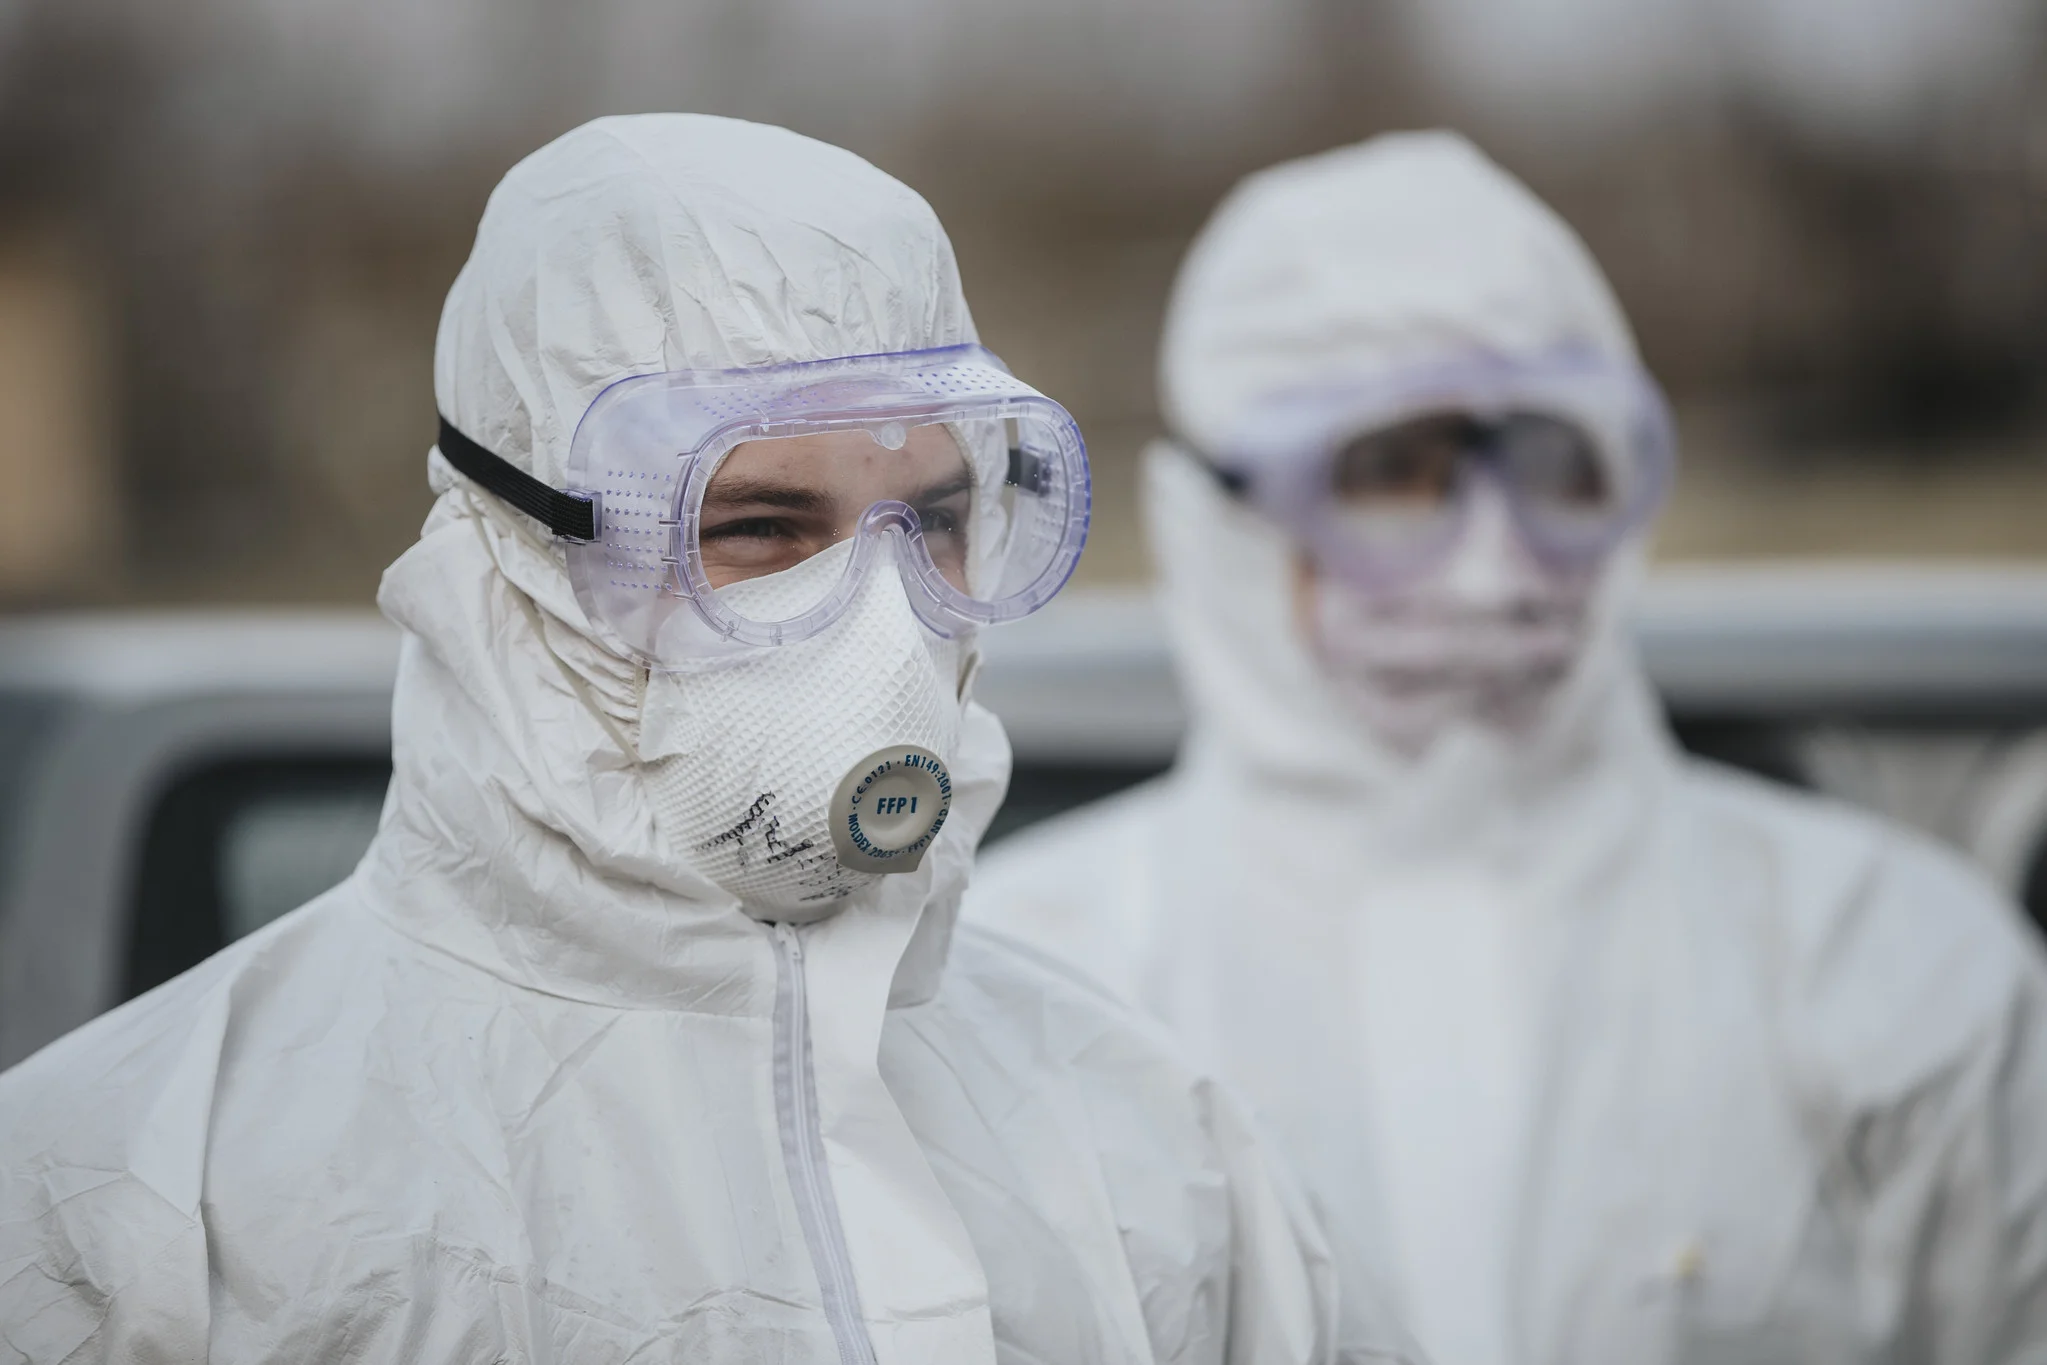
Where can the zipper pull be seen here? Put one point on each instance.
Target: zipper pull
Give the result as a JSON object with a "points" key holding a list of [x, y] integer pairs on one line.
{"points": [[789, 939]]}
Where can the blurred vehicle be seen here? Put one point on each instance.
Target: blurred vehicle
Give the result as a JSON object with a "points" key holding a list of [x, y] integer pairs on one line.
{"points": [[172, 781]]}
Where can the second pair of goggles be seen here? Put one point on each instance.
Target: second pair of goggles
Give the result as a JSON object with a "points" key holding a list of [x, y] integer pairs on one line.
{"points": [[712, 511], [1378, 480]]}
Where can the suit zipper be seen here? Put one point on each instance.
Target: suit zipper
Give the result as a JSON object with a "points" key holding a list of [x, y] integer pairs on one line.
{"points": [[810, 1179]]}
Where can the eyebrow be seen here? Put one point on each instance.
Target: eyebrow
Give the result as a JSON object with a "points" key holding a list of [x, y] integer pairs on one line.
{"points": [[727, 494], [743, 492], [939, 492]]}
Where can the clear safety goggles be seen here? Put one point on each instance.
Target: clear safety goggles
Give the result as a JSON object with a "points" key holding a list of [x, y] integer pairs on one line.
{"points": [[1379, 481], [712, 511]]}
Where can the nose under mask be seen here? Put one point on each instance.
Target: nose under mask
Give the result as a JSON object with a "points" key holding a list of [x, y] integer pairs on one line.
{"points": [[799, 775], [1486, 639]]}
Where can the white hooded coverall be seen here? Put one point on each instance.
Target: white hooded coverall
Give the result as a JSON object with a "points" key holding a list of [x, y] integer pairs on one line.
{"points": [[1596, 1054], [521, 1089]]}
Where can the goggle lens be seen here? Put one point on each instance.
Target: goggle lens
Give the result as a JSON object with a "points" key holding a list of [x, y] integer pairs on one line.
{"points": [[1378, 478], [772, 504], [1422, 463], [1551, 463]]}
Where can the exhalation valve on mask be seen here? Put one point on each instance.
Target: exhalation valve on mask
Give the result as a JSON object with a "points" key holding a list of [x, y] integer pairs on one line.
{"points": [[889, 808], [883, 818]]}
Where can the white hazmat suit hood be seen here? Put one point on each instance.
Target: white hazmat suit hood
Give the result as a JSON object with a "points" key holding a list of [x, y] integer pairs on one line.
{"points": [[534, 1084], [1301, 277], [1575, 1042]]}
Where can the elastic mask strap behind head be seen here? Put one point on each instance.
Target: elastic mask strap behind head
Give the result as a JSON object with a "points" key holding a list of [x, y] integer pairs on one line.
{"points": [[571, 516], [1235, 482]]}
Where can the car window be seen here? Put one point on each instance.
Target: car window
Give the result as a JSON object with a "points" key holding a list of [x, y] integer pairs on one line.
{"points": [[1038, 791], [2033, 893], [283, 848], [1792, 753], [28, 722], [230, 845]]}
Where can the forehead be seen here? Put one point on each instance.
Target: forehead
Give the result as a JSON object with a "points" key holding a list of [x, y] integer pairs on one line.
{"points": [[830, 454]]}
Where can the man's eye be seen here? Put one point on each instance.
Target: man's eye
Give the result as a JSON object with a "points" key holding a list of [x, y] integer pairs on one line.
{"points": [[748, 528], [942, 520]]}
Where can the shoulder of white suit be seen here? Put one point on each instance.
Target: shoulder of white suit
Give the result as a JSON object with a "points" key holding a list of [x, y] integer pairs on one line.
{"points": [[992, 963], [1895, 957], [99, 1084]]}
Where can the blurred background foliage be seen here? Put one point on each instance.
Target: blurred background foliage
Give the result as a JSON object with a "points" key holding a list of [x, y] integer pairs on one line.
{"points": [[226, 227]]}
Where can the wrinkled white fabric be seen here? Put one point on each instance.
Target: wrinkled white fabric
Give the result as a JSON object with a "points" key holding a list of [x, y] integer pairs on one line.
{"points": [[1458, 1080], [1595, 1053], [515, 1091]]}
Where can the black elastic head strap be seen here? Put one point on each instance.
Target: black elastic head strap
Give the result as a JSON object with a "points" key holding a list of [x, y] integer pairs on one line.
{"points": [[1032, 473], [569, 515], [1234, 482]]}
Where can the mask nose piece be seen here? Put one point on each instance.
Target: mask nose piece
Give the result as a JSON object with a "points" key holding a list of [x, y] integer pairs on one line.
{"points": [[921, 578], [1488, 566], [889, 808], [889, 515]]}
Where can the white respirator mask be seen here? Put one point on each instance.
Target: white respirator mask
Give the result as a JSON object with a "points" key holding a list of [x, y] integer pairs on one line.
{"points": [[796, 776], [1485, 637]]}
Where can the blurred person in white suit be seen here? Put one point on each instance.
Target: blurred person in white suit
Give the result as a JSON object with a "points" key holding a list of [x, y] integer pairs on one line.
{"points": [[627, 1041], [1591, 1051]]}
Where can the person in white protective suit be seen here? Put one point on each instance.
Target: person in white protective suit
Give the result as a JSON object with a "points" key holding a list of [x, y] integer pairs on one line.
{"points": [[1593, 1052], [641, 1032]]}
